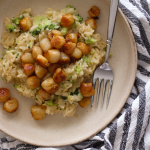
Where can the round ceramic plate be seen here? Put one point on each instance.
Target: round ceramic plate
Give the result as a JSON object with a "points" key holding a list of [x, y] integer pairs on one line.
{"points": [[56, 130]]}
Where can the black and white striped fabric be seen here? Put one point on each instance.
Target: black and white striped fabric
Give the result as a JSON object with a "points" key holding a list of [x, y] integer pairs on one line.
{"points": [[131, 128]]}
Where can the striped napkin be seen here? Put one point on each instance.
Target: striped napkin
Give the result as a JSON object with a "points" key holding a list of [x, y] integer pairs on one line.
{"points": [[130, 130]]}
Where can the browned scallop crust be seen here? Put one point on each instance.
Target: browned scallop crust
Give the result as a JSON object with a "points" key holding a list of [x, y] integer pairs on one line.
{"points": [[87, 89], [94, 11], [27, 58], [67, 20], [64, 58], [49, 85], [84, 102], [36, 50], [38, 112], [42, 61], [59, 75], [11, 105], [43, 95], [84, 48], [40, 71], [25, 23], [28, 69], [52, 67], [33, 82], [72, 37], [69, 47], [58, 42], [92, 23], [4, 94]]}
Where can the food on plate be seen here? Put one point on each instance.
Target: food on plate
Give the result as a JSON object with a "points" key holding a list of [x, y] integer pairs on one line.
{"points": [[94, 11], [84, 102], [4, 95], [92, 23], [38, 112], [87, 89], [11, 105], [49, 57]]}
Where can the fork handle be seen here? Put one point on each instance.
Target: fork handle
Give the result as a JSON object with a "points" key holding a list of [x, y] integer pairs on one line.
{"points": [[112, 20]]}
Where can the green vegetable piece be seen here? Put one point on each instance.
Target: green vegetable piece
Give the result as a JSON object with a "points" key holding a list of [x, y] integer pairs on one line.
{"points": [[51, 26], [76, 92], [90, 41], [74, 25], [87, 60], [10, 27], [16, 86], [69, 76], [41, 20], [63, 97], [64, 30], [17, 55], [79, 18], [50, 103], [104, 48], [36, 31], [63, 85], [17, 20], [69, 6], [78, 69]]}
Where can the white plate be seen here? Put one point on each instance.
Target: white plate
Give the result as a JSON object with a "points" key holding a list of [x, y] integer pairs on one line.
{"points": [[56, 130]]}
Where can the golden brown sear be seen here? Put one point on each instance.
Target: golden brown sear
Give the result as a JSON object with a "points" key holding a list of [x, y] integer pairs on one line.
{"points": [[4, 94], [94, 11]]}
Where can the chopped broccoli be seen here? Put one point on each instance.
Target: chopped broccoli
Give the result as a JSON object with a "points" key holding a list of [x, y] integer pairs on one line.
{"points": [[17, 20], [16, 86], [69, 76], [63, 85], [79, 18], [55, 97], [87, 60], [36, 31], [69, 6], [51, 26], [63, 97], [90, 41], [17, 55], [104, 48], [76, 92], [45, 27], [41, 20], [74, 25], [50, 103], [64, 30], [10, 27], [1, 58], [78, 69]]}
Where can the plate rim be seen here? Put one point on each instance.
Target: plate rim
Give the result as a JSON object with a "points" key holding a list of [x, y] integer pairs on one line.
{"points": [[123, 103]]}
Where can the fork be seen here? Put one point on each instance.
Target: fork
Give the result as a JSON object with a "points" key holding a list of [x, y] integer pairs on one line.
{"points": [[104, 73]]}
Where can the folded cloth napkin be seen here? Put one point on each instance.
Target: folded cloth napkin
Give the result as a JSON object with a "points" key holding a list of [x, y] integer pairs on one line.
{"points": [[130, 130]]}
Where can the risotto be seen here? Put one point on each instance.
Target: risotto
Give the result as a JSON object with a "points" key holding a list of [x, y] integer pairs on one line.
{"points": [[31, 53]]}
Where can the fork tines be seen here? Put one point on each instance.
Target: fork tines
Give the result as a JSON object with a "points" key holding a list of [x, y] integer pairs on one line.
{"points": [[103, 90]]}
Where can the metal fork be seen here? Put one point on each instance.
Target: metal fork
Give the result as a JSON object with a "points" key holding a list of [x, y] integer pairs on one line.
{"points": [[104, 73]]}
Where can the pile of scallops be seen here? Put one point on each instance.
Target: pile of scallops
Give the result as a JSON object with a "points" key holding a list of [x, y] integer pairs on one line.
{"points": [[53, 52]]}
